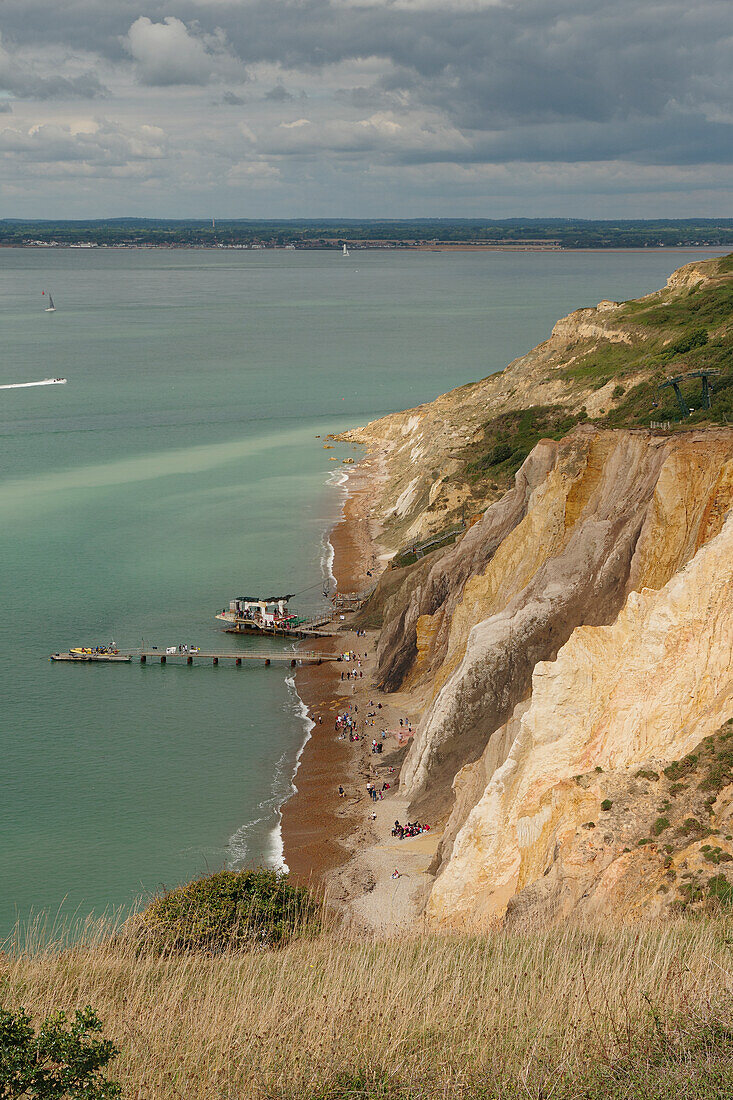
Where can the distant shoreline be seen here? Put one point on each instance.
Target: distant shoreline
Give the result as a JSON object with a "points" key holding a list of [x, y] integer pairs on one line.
{"points": [[358, 246]]}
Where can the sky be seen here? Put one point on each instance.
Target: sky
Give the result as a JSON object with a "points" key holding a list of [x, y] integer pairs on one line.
{"points": [[366, 108]]}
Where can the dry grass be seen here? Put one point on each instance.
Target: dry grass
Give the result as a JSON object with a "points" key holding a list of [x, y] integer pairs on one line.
{"points": [[559, 1012]]}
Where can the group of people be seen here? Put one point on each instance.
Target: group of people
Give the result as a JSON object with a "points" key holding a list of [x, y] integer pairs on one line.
{"points": [[346, 724], [353, 674], [376, 794], [412, 828]]}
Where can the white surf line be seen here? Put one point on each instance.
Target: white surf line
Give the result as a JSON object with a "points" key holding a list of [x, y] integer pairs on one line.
{"points": [[25, 385]]}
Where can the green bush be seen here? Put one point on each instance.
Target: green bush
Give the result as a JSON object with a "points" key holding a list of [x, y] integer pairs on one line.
{"points": [[606, 804], [719, 887], [680, 768], [660, 825], [228, 910], [59, 1061]]}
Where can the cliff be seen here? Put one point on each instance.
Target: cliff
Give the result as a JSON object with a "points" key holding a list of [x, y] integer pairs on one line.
{"points": [[577, 635]]}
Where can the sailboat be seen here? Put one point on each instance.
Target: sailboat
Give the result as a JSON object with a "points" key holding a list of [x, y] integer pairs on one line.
{"points": [[345, 251], [50, 308]]}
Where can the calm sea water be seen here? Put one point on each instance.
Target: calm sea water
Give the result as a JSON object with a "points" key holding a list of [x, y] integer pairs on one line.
{"points": [[178, 467]]}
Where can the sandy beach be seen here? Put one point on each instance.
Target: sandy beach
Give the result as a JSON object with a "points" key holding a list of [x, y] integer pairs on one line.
{"points": [[344, 843]]}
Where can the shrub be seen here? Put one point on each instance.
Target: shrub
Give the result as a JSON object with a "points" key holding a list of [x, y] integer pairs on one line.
{"points": [[647, 774], [697, 338], [59, 1061], [679, 768], [660, 825], [606, 804], [500, 453], [227, 910], [720, 888]]}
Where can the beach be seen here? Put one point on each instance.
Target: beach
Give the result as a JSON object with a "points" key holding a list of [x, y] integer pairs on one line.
{"points": [[344, 843]]}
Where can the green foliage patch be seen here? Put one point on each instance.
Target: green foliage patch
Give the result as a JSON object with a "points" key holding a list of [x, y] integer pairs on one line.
{"points": [[228, 910], [679, 768], [512, 436], [63, 1059]]}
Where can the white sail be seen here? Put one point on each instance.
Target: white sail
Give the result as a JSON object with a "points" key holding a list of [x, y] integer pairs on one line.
{"points": [[345, 251], [50, 308]]}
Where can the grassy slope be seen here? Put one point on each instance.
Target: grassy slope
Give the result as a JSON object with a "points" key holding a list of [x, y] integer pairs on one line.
{"points": [[564, 1013], [673, 332]]}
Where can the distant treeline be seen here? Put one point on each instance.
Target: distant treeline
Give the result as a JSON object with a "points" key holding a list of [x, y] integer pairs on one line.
{"points": [[423, 232]]}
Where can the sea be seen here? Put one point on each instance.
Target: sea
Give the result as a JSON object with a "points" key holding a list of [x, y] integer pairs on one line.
{"points": [[181, 464]]}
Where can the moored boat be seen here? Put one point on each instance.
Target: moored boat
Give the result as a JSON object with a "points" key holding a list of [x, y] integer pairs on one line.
{"points": [[104, 653]]}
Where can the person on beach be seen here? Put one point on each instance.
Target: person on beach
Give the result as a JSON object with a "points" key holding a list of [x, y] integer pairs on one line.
{"points": [[342, 792], [396, 873]]}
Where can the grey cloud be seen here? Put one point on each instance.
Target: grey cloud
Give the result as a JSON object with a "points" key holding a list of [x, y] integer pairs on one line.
{"points": [[108, 145], [554, 82], [279, 94], [30, 79], [5, 108]]}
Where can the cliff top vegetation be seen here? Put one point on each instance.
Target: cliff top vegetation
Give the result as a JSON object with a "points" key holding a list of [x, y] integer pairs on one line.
{"points": [[605, 366], [567, 1013]]}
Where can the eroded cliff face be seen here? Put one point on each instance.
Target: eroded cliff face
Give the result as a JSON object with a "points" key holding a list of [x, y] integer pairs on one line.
{"points": [[583, 622], [571, 654], [558, 825], [615, 511]]}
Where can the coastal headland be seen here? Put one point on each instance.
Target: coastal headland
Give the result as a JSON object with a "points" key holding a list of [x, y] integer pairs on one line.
{"points": [[547, 654], [545, 661]]}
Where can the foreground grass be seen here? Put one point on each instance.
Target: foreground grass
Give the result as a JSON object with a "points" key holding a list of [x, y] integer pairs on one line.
{"points": [[564, 1012]]}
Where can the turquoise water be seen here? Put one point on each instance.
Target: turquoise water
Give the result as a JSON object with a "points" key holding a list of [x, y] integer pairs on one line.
{"points": [[178, 467]]}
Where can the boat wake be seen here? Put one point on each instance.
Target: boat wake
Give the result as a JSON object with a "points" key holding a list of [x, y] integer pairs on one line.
{"points": [[25, 385]]}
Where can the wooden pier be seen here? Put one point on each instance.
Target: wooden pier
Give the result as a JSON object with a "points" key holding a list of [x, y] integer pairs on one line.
{"points": [[145, 655]]}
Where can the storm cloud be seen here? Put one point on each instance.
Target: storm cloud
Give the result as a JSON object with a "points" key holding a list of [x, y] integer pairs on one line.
{"points": [[373, 107]]}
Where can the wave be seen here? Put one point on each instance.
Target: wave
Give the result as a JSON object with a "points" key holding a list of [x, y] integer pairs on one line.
{"points": [[242, 843], [338, 478], [25, 385]]}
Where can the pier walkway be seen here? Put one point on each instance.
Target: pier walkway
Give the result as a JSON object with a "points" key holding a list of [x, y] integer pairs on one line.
{"points": [[307, 657]]}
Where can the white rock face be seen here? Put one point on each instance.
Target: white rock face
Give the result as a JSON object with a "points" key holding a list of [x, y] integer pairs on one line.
{"points": [[650, 685]]}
